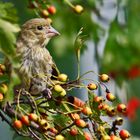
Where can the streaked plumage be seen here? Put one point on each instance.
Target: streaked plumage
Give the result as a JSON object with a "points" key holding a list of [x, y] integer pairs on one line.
{"points": [[36, 61]]}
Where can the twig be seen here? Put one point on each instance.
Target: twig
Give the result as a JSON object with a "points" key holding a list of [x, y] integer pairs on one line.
{"points": [[34, 136], [71, 84], [5, 119], [47, 109], [69, 126], [24, 93], [11, 112], [10, 124], [20, 102], [42, 102], [113, 129]]}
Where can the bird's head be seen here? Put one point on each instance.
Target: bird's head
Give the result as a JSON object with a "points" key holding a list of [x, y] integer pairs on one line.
{"points": [[37, 32]]}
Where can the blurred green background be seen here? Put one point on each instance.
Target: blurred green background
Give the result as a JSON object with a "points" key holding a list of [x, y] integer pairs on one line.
{"points": [[112, 46]]}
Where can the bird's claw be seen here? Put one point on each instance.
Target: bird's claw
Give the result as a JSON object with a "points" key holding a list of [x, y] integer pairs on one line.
{"points": [[47, 93]]}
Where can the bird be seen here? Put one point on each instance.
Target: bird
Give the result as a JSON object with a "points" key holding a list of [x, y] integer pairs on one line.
{"points": [[36, 62]]}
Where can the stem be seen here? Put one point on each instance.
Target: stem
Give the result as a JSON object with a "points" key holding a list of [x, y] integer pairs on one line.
{"points": [[34, 136], [69, 126], [36, 13], [32, 101], [88, 79], [98, 63], [71, 112], [113, 128], [65, 106], [88, 73], [69, 3], [71, 105], [78, 67]]}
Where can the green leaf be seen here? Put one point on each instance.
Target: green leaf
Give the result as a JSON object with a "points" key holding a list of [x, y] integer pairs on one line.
{"points": [[7, 35], [91, 96], [77, 137], [8, 12], [4, 79], [14, 80], [61, 120], [52, 105]]}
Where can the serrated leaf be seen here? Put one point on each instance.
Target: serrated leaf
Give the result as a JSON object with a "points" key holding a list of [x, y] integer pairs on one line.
{"points": [[61, 120], [91, 96], [52, 105]]}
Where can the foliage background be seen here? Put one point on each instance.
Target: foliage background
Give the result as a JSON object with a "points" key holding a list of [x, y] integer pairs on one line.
{"points": [[114, 34]]}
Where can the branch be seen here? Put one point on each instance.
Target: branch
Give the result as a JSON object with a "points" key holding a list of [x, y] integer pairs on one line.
{"points": [[9, 123], [34, 136], [11, 112], [69, 126], [5, 119]]}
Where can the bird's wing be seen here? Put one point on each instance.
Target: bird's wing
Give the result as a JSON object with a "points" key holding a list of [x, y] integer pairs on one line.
{"points": [[55, 71]]}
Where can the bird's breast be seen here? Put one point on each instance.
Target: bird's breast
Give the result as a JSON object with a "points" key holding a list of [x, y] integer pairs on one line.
{"points": [[36, 62]]}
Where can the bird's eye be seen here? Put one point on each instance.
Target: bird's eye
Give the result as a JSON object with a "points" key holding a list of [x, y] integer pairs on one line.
{"points": [[40, 27]]}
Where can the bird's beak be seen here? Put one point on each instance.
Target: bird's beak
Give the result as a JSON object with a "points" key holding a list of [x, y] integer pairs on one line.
{"points": [[52, 32]]}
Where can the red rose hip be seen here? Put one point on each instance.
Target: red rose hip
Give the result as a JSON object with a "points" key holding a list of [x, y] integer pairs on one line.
{"points": [[25, 120], [124, 134], [17, 124], [73, 131], [51, 9]]}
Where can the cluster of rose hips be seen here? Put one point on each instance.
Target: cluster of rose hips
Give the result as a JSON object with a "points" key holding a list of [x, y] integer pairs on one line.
{"points": [[78, 112], [85, 109], [27, 119], [58, 89], [102, 105], [44, 125], [80, 123], [111, 111], [81, 111], [3, 86], [50, 10], [45, 9]]}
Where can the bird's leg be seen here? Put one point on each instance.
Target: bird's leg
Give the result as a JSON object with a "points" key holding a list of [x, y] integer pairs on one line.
{"points": [[29, 98], [47, 93], [30, 88], [4, 107]]}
